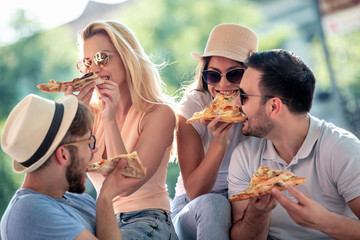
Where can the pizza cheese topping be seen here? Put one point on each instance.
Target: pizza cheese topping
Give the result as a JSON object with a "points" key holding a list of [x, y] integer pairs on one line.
{"points": [[265, 179], [76, 83], [223, 106], [133, 167]]}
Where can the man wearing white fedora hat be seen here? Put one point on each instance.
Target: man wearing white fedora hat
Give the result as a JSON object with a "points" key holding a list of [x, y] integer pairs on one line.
{"points": [[200, 209], [52, 144]]}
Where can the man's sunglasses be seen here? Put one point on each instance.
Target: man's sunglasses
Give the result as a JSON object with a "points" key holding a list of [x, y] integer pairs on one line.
{"points": [[244, 97], [213, 77], [91, 143], [100, 58]]}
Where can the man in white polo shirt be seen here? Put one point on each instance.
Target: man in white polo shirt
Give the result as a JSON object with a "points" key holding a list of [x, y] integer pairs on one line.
{"points": [[276, 94]]}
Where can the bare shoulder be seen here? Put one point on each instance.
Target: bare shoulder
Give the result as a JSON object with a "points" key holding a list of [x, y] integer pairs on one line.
{"points": [[162, 111], [161, 114]]}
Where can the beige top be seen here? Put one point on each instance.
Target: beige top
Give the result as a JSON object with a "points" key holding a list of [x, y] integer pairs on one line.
{"points": [[153, 194]]}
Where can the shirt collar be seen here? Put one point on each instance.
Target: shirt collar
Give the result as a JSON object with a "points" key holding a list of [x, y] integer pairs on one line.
{"points": [[305, 149]]}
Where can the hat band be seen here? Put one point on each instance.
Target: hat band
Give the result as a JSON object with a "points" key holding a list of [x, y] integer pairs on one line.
{"points": [[49, 138]]}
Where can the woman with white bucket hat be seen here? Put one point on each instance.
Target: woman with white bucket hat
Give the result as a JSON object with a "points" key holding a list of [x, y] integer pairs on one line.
{"points": [[200, 209]]}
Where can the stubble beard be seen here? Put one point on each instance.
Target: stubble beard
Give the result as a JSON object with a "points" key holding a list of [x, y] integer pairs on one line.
{"points": [[75, 174], [260, 127]]}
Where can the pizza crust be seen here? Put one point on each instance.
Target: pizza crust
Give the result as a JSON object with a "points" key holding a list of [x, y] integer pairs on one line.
{"points": [[266, 179], [133, 167], [223, 106], [77, 83]]}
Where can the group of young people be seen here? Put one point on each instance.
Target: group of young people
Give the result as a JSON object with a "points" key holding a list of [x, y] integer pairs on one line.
{"points": [[52, 143]]}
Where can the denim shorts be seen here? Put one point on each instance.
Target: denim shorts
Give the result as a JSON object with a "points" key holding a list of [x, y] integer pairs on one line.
{"points": [[146, 224], [205, 217]]}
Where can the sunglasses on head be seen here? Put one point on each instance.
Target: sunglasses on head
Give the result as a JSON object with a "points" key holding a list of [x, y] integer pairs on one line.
{"points": [[101, 59], [213, 77]]}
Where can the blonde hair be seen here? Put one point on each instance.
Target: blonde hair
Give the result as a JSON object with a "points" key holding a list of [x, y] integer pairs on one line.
{"points": [[142, 75]]}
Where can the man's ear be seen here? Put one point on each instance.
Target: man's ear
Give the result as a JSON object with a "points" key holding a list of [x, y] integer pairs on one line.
{"points": [[276, 107], [62, 156]]}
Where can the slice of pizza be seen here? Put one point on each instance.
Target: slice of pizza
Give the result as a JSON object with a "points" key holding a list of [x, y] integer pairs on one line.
{"points": [[265, 179], [223, 106], [133, 167], [77, 83]]}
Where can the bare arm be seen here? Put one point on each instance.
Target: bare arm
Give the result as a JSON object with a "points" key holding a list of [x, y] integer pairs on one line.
{"points": [[310, 214], [156, 136], [251, 218], [200, 170], [106, 225]]}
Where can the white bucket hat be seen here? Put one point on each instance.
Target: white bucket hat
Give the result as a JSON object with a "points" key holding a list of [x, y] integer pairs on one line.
{"points": [[231, 41], [35, 128]]}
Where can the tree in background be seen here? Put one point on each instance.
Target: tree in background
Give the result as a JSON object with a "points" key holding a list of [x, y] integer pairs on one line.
{"points": [[345, 57], [35, 58]]}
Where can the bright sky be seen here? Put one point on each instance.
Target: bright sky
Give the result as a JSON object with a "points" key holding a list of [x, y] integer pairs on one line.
{"points": [[50, 13]]}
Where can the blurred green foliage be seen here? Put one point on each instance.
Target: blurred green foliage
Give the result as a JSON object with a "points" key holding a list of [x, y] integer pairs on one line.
{"points": [[344, 50]]}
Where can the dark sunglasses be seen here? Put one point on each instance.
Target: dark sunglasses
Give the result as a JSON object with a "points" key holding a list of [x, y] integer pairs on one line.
{"points": [[91, 143], [244, 97], [100, 58], [213, 77]]}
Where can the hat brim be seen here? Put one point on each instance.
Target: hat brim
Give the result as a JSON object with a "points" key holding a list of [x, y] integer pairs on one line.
{"points": [[221, 53], [70, 103]]}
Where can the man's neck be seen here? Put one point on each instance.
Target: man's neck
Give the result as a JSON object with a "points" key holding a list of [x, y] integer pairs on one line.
{"points": [[291, 136], [44, 185]]}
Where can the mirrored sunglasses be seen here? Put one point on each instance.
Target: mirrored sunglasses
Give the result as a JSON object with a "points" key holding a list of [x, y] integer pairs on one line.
{"points": [[101, 59], [213, 77]]}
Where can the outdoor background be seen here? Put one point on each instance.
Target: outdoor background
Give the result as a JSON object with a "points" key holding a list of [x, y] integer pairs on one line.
{"points": [[325, 34]]}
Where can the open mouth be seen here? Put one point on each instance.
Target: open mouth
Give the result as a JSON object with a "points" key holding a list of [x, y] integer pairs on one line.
{"points": [[227, 91]]}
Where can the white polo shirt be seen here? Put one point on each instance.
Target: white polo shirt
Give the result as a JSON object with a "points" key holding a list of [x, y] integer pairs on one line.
{"points": [[329, 159]]}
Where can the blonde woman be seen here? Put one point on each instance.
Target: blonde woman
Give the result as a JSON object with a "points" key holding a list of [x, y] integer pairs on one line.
{"points": [[132, 114]]}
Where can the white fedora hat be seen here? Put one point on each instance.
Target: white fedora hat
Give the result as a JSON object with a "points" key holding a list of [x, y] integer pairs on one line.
{"points": [[35, 128], [230, 40]]}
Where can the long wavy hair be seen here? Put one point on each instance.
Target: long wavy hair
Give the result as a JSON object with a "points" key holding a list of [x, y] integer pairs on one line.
{"points": [[142, 75]]}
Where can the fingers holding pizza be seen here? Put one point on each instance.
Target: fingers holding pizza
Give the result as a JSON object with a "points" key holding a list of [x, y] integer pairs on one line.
{"points": [[306, 212], [109, 95], [84, 85], [133, 167], [219, 129], [264, 203]]}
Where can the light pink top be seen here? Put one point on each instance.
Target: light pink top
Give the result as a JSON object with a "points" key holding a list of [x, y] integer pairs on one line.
{"points": [[153, 194]]}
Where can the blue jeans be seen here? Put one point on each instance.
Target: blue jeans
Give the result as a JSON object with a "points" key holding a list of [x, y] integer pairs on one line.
{"points": [[206, 217], [146, 224]]}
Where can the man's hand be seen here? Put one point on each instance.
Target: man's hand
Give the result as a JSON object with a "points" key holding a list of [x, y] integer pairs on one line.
{"points": [[263, 204], [306, 212], [110, 184]]}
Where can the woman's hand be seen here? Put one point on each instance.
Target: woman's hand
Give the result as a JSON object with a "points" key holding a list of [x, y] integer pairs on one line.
{"points": [[219, 130], [109, 97], [84, 95]]}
